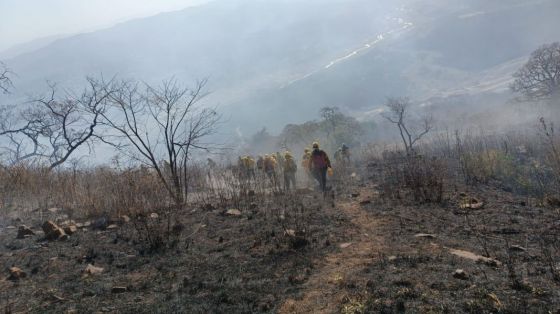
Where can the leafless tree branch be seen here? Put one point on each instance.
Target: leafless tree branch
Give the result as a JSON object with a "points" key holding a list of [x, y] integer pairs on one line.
{"points": [[163, 125], [539, 78], [52, 128], [5, 80], [397, 114]]}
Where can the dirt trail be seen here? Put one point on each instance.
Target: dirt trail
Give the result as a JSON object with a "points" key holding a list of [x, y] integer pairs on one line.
{"points": [[322, 291]]}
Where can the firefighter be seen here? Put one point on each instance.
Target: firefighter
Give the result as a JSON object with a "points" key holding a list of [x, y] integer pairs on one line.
{"points": [[290, 169], [319, 165]]}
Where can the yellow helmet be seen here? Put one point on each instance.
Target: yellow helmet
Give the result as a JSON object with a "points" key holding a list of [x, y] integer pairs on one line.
{"points": [[315, 144]]}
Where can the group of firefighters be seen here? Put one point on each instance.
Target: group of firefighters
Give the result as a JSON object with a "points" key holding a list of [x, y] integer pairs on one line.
{"points": [[315, 162]]}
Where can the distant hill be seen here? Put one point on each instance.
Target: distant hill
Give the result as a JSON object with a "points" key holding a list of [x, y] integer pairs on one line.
{"points": [[29, 46], [281, 60]]}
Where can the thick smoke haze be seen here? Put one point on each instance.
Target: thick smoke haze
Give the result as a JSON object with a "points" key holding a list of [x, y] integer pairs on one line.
{"points": [[283, 60], [279, 156], [24, 21]]}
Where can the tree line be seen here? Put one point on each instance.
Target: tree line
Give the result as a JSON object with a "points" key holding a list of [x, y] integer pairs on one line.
{"points": [[167, 122], [157, 126]]}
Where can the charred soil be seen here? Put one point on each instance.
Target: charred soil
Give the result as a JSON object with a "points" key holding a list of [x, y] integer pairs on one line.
{"points": [[365, 254]]}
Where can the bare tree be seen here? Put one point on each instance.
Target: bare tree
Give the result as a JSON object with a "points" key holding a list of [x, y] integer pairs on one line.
{"points": [[539, 78], [22, 133], [18, 132], [160, 127], [5, 81], [71, 122], [397, 114], [53, 128]]}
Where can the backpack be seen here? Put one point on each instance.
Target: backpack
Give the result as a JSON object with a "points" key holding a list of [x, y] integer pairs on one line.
{"points": [[318, 159], [290, 165], [269, 164]]}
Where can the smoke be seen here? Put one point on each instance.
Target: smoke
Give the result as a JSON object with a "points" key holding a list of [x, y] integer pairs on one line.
{"points": [[277, 62]]}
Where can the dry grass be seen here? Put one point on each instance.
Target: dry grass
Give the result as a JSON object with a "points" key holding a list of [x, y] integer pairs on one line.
{"points": [[200, 259]]}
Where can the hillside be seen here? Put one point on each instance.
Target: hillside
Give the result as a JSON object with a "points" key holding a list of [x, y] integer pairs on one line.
{"points": [[292, 183], [268, 58], [371, 248], [448, 54]]}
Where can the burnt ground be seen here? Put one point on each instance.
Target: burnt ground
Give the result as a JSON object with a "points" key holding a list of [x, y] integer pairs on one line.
{"points": [[366, 254], [219, 263], [401, 258]]}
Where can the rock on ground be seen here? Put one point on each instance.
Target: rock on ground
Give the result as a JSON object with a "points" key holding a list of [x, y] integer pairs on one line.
{"points": [[16, 274], [233, 212], [24, 231], [71, 229], [460, 274], [93, 270], [53, 231]]}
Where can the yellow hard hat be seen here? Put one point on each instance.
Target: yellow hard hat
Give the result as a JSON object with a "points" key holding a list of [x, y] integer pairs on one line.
{"points": [[315, 144]]}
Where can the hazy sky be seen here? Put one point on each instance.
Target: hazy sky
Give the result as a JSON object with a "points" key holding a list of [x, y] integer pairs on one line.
{"points": [[24, 20]]}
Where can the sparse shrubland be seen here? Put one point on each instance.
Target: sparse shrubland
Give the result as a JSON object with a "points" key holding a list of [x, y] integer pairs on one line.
{"points": [[230, 229], [490, 196], [435, 221]]}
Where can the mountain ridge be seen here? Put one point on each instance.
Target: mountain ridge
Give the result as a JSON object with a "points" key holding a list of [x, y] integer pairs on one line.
{"points": [[282, 60]]}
